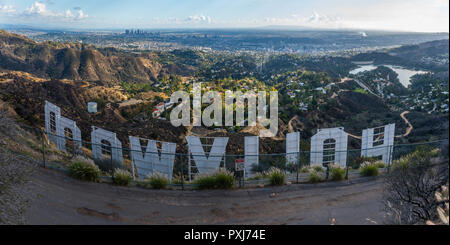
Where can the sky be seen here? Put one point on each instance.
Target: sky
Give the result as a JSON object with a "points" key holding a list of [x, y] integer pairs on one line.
{"points": [[395, 15]]}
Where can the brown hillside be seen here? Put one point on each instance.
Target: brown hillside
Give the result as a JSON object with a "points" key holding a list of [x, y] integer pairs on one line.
{"points": [[80, 61]]}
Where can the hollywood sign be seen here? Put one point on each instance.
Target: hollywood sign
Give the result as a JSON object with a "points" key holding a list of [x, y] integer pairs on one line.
{"points": [[327, 146]]}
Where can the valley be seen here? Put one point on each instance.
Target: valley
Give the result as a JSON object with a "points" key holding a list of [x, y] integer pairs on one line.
{"points": [[128, 86]]}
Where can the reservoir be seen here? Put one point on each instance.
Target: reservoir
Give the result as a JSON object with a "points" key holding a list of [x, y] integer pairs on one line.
{"points": [[404, 74]]}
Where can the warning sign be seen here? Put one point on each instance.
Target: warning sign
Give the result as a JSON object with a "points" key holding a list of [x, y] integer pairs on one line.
{"points": [[239, 164]]}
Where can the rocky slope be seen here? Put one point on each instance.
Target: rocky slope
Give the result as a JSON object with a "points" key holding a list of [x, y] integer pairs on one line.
{"points": [[77, 61]]}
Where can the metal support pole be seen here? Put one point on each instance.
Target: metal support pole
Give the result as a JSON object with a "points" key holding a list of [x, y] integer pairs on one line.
{"points": [[346, 172], [182, 172], [298, 164], [391, 149], [43, 147], [132, 166], [112, 167], [189, 167]]}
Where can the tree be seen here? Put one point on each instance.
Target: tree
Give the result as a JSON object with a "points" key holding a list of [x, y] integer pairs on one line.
{"points": [[411, 185]]}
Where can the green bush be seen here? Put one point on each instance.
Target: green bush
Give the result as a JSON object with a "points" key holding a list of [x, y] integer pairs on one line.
{"points": [[122, 177], [318, 168], [158, 181], [276, 176], [380, 164], [107, 165], [421, 155], [314, 177], [154, 181], [177, 180], [221, 179], [369, 169], [205, 181], [224, 180], [356, 163], [82, 170], [336, 173], [259, 176], [291, 167], [304, 169]]}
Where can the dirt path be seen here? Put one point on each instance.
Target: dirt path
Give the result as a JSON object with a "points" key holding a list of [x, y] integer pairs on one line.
{"points": [[407, 132], [409, 128], [59, 199], [290, 127]]}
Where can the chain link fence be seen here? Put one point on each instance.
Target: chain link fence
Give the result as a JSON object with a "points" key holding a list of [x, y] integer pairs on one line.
{"points": [[184, 169]]}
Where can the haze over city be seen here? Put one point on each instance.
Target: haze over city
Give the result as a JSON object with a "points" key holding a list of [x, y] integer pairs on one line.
{"points": [[381, 15]]}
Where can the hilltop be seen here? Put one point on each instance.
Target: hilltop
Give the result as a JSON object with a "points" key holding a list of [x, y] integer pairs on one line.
{"points": [[431, 56], [76, 61]]}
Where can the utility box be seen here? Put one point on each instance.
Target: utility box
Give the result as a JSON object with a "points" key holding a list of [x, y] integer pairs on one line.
{"points": [[92, 107]]}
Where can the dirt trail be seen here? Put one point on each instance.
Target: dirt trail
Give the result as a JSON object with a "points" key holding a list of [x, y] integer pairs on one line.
{"points": [[409, 128], [407, 132], [290, 127], [62, 200]]}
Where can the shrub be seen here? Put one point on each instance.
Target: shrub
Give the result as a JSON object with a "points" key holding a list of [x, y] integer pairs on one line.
{"points": [[81, 158], [360, 160], [83, 170], [177, 180], [336, 172], [154, 181], [291, 167], [314, 177], [205, 181], [380, 164], [224, 179], [369, 169], [258, 176], [411, 185], [221, 179], [318, 168], [122, 177], [107, 165], [157, 181], [304, 169], [276, 176]]}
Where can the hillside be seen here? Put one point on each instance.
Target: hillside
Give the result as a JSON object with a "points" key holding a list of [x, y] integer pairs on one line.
{"points": [[76, 61], [431, 55], [72, 74]]}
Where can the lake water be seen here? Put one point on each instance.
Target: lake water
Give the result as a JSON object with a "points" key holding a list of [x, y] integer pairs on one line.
{"points": [[404, 75]]}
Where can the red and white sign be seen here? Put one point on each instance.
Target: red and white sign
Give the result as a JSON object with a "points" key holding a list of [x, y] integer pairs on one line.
{"points": [[239, 164]]}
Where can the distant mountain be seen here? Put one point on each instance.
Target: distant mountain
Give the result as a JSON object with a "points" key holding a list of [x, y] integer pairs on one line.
{"points": [[78, 61], [433, 55]]}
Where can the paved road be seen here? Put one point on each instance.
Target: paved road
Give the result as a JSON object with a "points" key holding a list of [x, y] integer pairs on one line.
{"points": [[58, 199]]}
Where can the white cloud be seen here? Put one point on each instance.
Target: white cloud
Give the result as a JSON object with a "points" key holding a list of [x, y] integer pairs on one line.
{"points": [[316, 20], [7, 9], [199, 19], [38, 12], [68, 14], [193, 20], [80, 15], [39, 9]]}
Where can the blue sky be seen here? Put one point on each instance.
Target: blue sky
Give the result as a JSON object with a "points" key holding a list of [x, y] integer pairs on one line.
{"points": [[411, 15]]}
